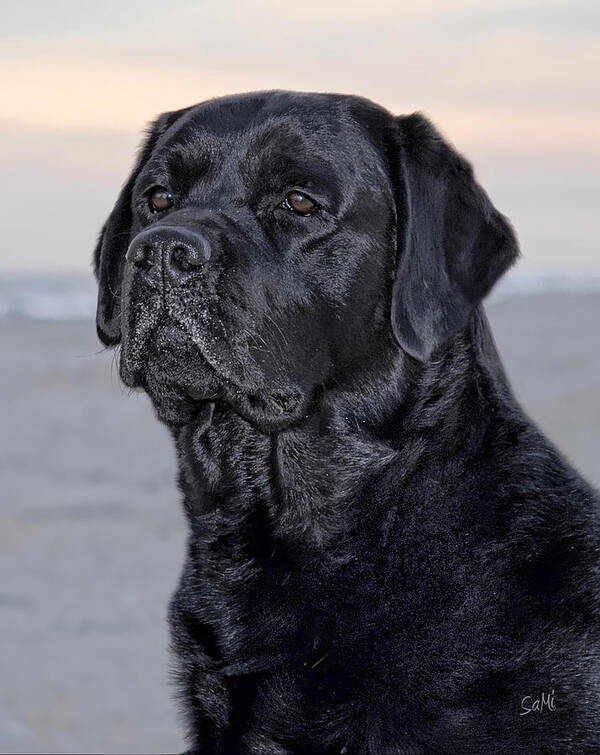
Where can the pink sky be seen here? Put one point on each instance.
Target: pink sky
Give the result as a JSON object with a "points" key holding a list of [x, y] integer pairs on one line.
{"points": [[513, 86]]}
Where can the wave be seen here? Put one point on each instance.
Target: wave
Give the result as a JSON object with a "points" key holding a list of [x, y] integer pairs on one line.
{"points": [[67, 296], [55, 296]]}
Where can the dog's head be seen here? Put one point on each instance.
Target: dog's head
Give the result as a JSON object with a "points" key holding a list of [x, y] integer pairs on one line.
{"points": [[267, 246]]}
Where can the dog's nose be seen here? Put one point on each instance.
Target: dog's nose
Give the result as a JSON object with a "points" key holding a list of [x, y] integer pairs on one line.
{"points": [[176, 252]]}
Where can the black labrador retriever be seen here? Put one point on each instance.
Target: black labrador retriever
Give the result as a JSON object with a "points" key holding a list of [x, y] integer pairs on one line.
{"points": [[385, 555]]}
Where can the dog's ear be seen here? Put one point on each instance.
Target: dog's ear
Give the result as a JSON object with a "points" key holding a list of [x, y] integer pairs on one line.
{"points": [[453, 244], [109, 254]]}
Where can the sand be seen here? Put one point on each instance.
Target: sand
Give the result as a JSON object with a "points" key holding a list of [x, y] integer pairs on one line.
{"points": [[92, 537]]}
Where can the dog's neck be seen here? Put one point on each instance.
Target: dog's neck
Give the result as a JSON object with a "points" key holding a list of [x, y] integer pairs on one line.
{"points": [[304, 478]]}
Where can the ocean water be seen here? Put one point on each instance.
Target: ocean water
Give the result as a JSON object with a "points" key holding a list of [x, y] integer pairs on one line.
{"points": [[55, 296], [72, 296]]}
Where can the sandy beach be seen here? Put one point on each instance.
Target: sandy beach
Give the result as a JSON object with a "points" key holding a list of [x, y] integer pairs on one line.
{"points": [[92, 536]]}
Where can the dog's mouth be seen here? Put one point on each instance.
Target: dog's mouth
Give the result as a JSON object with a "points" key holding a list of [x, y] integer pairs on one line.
{"points": [[269, 412], [186, 386]]}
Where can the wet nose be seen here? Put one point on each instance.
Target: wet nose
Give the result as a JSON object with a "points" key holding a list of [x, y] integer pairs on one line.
{"points": [[176, 252]]}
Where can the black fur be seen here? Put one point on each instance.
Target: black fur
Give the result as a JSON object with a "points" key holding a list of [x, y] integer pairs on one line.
{"points": [[384, 554]]}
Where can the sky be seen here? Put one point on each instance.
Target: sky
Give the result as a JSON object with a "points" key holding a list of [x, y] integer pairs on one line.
{"points": [[513, 85]]}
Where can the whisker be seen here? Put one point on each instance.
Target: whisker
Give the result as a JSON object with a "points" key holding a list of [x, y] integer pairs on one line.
{"points": [[268, 316]]}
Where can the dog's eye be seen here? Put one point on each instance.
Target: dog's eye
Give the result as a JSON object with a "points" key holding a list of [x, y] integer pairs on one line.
{"points": [[160, 200], [300, 203]]}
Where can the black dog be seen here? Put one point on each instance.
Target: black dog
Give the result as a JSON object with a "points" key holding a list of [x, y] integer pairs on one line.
{"points": [[385, 555]]}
